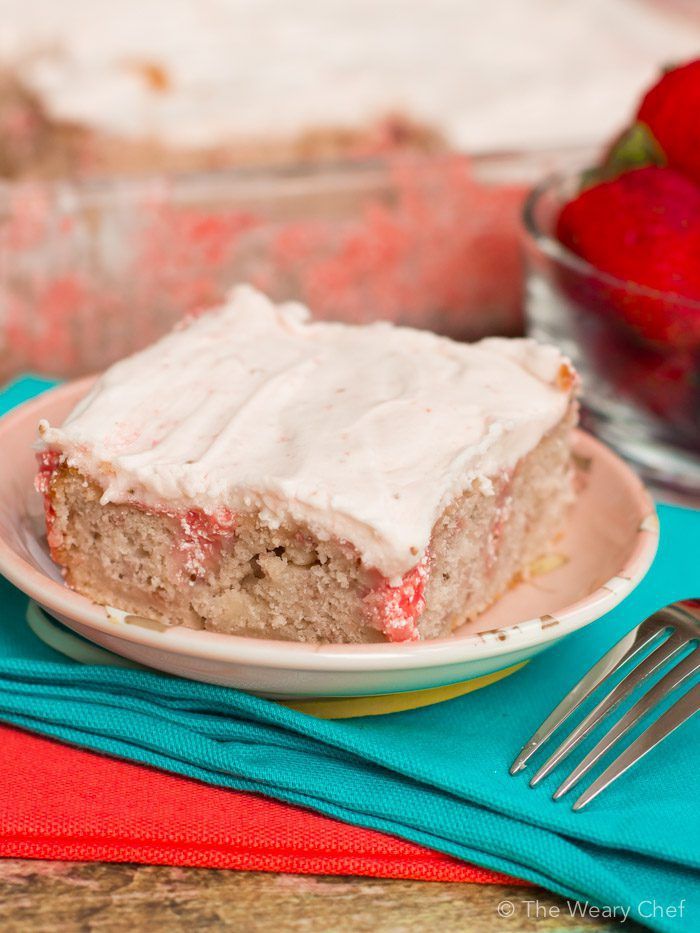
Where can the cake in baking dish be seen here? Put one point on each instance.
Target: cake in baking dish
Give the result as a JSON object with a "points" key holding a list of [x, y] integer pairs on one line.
{"points": [[255, 472]]}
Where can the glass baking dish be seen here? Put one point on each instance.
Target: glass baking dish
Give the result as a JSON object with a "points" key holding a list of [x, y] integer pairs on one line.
{"points": [[93, 270]]}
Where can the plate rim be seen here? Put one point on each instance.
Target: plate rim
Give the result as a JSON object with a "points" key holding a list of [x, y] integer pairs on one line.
{"points": [[271, 653]]}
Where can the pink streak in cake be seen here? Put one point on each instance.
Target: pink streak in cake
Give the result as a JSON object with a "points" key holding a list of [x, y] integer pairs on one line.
{"points": [[48, 463], [363, 434], [200, 540], [395, 610]]}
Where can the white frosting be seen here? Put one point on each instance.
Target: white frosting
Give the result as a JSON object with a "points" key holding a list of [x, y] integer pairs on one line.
{"points": [[364, 433]]}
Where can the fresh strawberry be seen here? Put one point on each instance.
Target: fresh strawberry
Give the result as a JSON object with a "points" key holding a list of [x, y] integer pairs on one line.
{"points": [[643, 227], [671, 110]]}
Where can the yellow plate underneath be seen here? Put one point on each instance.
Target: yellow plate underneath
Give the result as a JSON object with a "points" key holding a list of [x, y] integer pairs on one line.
{"points": [[350, 707]]}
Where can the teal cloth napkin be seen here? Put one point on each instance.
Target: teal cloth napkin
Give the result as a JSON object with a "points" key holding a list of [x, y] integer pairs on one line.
{"points": [[437, 775]]}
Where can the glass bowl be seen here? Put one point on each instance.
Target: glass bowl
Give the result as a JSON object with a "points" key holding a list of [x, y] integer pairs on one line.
{"points": [[91, 271], [640, 397]]}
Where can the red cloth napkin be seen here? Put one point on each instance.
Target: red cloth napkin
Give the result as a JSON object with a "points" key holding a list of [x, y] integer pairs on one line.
{"points": [[59, 802]]}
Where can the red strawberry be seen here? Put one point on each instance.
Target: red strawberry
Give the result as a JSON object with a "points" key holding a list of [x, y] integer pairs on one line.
{"points": [[642, 227], [671, 110]]}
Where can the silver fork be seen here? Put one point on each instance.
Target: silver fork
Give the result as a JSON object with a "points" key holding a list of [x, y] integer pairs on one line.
{"points": [[672, 631]]}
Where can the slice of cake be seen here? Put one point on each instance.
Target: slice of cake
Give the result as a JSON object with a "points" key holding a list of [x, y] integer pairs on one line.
{"points": [[258, 473]]}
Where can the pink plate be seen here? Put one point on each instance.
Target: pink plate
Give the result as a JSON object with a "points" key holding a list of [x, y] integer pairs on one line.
{"points": [[607, 548]]}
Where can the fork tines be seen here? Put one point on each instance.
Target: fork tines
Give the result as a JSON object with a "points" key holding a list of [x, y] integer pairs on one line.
{"points": [[670, 633]]}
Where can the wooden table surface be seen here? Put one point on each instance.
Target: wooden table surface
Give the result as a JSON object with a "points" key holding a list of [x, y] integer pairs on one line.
{"points": [[45, 897]]}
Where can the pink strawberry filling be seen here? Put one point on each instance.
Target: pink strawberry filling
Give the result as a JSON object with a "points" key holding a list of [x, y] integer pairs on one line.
{"points": [[199, 547], [395, 610], [48, 464]]}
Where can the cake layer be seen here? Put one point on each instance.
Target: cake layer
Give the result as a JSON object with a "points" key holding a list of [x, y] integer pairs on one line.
{"points": [[363, 435], [243, 576]]}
